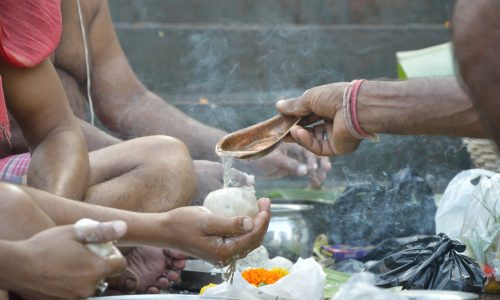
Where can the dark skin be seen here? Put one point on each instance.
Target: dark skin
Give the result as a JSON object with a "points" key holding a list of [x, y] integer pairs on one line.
{"points": [[128, 109], [469, 106], [58, 275], [36, 100], [425, 106], [478, 61], [192, 230]]}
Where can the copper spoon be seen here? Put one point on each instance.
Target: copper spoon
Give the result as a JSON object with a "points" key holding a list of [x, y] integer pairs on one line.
{"points": [[257, 140]]}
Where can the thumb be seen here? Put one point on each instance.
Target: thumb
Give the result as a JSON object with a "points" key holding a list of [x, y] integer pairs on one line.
{"points": [[295, 106], [90, 231], [228, 226]]}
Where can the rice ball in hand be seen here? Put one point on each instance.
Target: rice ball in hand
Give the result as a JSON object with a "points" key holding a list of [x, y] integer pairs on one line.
{"points": [[232, 202]]}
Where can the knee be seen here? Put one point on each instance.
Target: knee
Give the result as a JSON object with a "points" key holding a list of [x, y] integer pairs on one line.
{"points": [[173, 161], [13, 200], [17, 206]]}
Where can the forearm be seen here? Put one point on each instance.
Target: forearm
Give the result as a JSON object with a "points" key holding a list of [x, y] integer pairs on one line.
{"points": [[10, 259], [143, 228], [418, 107], [151, 115], [60, 165]]}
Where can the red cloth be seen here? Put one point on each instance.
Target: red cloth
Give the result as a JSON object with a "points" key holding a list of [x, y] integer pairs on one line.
{"points": [[29, 32], [4, 117]]}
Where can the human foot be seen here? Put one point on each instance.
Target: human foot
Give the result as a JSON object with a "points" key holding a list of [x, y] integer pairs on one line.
{"points": [[154, 269]]}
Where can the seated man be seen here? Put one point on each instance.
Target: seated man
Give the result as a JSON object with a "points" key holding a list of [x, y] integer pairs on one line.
{"points": [[127, 109], [119, 176], [60, 164]]}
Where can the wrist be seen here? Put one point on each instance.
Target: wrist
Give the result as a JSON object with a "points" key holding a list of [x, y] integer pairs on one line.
{"points": [[14, 258], [373, 107]]}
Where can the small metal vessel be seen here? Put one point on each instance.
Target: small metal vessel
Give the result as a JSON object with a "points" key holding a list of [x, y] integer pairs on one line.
{"points": [[289, 234]]}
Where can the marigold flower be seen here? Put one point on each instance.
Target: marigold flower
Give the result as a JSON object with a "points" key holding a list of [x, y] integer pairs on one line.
{"points": [[261, 276]]}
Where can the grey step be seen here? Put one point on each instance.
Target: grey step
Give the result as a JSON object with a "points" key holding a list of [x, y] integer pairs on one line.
{"points": [[192, 59], [283, 11]]}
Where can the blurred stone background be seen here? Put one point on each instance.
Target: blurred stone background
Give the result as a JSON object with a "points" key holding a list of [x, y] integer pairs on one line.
{"points": [[226, 62]]}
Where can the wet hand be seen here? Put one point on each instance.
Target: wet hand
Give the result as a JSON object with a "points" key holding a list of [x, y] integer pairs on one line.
{"points": [[200, 233], [58, 265], [321, 104]]}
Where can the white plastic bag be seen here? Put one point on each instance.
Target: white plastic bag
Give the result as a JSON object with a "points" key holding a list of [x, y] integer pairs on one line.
{"points": [[305, 280], [470, 212], [482, 223], [361, 286], [458, 195]]}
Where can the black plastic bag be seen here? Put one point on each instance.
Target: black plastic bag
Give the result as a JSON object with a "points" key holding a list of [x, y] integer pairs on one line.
{"points": [[431, 263], [368, 214], [393, 245]]}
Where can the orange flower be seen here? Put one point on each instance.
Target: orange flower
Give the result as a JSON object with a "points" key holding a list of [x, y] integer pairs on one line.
{"points": [[260, 276]]}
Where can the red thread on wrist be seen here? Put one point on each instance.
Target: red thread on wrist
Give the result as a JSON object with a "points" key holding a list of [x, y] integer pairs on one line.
{"points": [[354, 115]]}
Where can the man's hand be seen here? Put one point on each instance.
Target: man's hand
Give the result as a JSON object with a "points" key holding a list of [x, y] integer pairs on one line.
{"points": [[217, 239], [210, 178], [322, 103], [290, 159], [58, 265]]}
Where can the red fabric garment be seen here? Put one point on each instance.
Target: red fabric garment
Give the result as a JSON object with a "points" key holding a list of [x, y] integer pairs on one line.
{"points": [[29, 32], [4, 117]]}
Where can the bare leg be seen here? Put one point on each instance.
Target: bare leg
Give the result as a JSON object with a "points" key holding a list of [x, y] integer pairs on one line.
{"points": [[148, 174], [20, 217]]}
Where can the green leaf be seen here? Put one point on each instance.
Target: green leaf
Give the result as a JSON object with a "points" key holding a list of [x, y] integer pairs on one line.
{"points": [[435, 61], [334, 280]]}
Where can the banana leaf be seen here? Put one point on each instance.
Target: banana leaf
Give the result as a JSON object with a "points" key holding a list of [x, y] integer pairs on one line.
{"points": [[435, 61]]}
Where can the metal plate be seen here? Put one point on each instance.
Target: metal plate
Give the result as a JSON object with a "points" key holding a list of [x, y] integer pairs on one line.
{"points": [[437, 295], [159, 297]]}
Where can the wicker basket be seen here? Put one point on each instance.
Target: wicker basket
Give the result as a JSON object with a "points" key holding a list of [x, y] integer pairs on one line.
{"points": [[484, 153]]}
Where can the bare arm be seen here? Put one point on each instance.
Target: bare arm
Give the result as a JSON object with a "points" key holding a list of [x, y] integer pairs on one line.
{"points": [[36, 99], [127, 107], [192, 230], [425, 106]]}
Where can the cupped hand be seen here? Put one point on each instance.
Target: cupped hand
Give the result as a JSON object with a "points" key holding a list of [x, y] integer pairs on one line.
{"points": [[209, 175], [217, 239], [58, 265], [323, 103]]}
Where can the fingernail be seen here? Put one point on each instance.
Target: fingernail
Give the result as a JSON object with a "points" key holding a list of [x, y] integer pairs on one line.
{"points": [[120, 227], [302, 170], [280, 103], [315, 166], [247, 224]]}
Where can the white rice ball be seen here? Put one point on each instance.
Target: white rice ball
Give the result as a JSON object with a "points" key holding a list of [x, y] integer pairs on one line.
{"points": [[232, 202]]}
